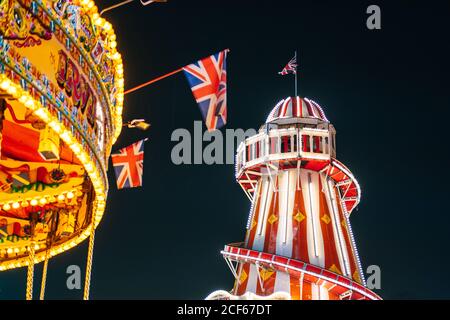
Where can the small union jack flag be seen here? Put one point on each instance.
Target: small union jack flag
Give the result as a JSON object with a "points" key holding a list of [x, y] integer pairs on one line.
{"points": [[208, 81], [291, 67], [129, 165]]}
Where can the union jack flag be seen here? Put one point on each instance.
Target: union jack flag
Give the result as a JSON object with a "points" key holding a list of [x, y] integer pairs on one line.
{"points": [[291, 67], [129, 165], [208, 81]]}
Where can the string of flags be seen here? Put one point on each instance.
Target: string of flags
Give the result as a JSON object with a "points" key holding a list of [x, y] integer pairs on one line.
{"points": [[207, 79], [128, 165], [208, 82]]}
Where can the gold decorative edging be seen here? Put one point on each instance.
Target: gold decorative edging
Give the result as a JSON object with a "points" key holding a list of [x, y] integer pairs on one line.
{"points": [[100, 188]]}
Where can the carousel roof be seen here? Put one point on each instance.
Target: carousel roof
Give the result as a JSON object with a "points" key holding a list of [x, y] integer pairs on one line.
{"points": [[296, 107]]}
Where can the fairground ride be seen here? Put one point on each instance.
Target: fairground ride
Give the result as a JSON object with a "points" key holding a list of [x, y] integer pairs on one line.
{"points": [[61, 97]]}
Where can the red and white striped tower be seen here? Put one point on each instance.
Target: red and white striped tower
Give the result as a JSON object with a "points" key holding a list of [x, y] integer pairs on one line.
{"points": [[299, 242]]}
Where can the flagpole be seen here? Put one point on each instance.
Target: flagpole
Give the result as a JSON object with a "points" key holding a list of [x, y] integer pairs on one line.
{"points": [[152, 81], [144, 3], [295, 73], [159, 78], [115, 6]]}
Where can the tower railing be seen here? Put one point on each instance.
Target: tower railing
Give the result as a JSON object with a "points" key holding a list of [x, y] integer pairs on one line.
{"points": [[284, 144]]}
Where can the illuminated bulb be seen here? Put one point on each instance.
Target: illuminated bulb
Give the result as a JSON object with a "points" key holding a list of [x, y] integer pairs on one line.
{"points": [[23, 99], [61, 197], [12, 90], [5, 85], [75, 148], [82, 157], [70, 195], [66, 136], [6, 207], [113, 44], [9, 250], [42, 114], [107, 26], [55, 126], [16, 205], [34, 202], [43, 201], [116, 56], [24, 204], [30, 103]]}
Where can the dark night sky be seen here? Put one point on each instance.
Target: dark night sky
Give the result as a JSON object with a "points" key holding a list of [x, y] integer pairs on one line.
{"points": [[386, 92]]}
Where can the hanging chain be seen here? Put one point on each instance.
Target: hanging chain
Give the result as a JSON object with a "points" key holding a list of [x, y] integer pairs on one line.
{"points": [[44, 275], [30, 272], [87, 282]]}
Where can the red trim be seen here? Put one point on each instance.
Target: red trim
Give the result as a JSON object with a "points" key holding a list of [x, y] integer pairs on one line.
{"points": [[13, 115], [314, 274]]}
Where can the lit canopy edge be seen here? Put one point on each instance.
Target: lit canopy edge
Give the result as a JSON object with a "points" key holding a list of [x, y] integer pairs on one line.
{"points": [[94, 172], [93, 167], [90, 8]]}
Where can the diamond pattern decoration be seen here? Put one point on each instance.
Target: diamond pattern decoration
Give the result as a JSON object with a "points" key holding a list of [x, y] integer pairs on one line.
{"points": [[272, 218], [299, 217], [266, 273], [326, 218], [243, 276], [334, 269], [356, 276]]}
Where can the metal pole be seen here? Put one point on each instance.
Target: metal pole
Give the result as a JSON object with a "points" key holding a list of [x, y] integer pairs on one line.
{"points": [[152, 81], [115, 6]]}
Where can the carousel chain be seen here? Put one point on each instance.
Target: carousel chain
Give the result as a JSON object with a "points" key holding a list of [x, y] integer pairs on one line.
{"points": [[87, 282], [44, 275], [30, 272]]}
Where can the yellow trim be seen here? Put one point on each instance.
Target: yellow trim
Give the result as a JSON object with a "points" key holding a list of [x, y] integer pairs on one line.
{"points": [[90, 8], [94, 173], [20, 179]]}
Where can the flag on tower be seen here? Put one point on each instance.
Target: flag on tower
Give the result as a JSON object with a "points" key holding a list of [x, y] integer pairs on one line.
{"points": [[208, 81], [129, 165], [291, 67]]}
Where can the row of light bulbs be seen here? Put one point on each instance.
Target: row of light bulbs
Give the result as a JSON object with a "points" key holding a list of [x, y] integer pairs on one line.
{"points": [[42, 200], [100, 189], [19, 250], [40, 256], [93, 172], [91, 9]]}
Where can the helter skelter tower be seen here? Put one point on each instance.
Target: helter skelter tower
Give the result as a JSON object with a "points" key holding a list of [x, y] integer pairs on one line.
{"points": [[299, 243]]}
